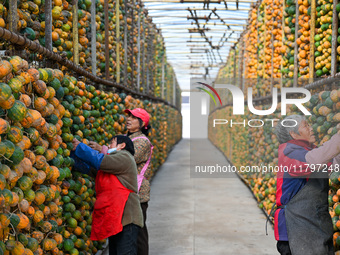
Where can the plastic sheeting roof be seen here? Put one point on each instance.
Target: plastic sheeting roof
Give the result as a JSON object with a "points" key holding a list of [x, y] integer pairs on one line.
{"points": [[192, 54]]}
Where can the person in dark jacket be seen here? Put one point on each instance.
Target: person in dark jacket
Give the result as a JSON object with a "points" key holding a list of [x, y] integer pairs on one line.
{"points": [[117, 212], [302, 223]]}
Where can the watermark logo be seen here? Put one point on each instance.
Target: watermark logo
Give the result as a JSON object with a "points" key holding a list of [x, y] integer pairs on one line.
{"points": [[204, 103], [208, 92], [238, 99]]}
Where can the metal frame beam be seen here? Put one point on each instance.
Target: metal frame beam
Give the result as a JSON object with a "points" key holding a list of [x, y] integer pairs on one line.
{"points": [[218, 29], [192, 36], [188, 17], [197, 1], [203, 24], [150, 8]]}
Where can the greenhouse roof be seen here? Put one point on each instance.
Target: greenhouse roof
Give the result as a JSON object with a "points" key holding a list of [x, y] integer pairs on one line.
{"points": [[198, 34]]}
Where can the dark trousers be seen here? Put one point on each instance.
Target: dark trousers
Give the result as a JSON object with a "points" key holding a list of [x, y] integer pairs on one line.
{"points": [[143, 237], [125, 242], [283, 248]]}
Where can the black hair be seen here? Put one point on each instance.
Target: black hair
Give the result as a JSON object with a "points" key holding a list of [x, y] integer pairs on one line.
{"points": [[144, 130], [128, 143]]}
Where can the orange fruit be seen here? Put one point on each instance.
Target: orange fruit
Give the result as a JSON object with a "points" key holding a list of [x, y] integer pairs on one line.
{"points": [[55, 36], [78, 231], [2, 22], [58, 2]]}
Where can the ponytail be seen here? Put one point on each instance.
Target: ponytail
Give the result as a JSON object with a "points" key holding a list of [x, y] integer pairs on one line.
{"points": [[143, 129], [146, 130]]}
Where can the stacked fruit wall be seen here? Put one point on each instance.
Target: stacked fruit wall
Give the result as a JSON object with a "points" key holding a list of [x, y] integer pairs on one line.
{"points": [[45, 205]]}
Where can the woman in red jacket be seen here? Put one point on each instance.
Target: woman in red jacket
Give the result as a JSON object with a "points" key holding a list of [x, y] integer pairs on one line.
{"points": [[137, 124], [117, 213]]}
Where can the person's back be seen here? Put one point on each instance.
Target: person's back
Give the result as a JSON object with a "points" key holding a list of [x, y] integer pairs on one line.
{"points": [[117, 213], [127, 176], [302, 190], [143, 151]]}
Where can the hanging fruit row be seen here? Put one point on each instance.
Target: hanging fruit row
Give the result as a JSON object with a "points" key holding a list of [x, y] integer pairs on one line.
{"points": [[274, 30], [249, 147], [45, 206], [137, 44]]}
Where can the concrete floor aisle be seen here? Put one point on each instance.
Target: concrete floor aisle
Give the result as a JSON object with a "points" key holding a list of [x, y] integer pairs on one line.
{"points": [[204, 216]]}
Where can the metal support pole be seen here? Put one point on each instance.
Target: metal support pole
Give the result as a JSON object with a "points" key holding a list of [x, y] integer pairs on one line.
{"points": [[48, 29], [168, 91], [48, 24], [75, 32], [174, 89], [117, 43], [143, 54], [152, 70], [148, 59], [107, 50], [163, 74], [240, 62], [312, 41], [264, 42], [334, 62], [132, 42], [244, 69], [138, 46], [234, 75], [125, 45], [148, 65], [246, 60], [166, 82], [272, 71], [296, 68], [93, 38], [283, 36], [13, 15], [258, 43]]}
